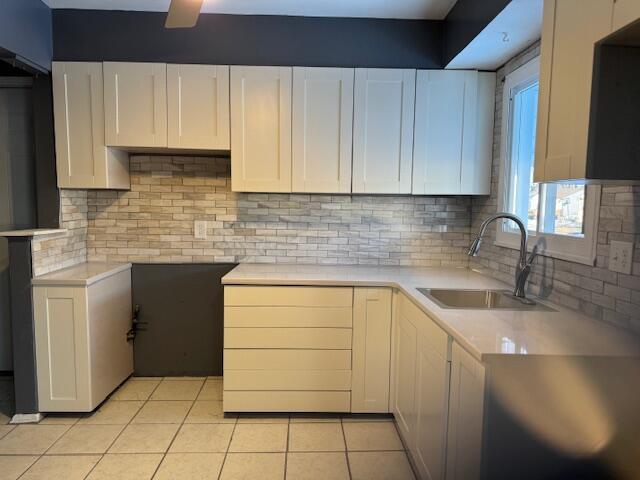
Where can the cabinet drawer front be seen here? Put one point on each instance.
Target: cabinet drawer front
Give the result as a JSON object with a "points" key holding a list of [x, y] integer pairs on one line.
{"points": [[287, 359], [437, 337], [287, 380], [287, 401], [338, 317], [320, 338], [288, 296]]}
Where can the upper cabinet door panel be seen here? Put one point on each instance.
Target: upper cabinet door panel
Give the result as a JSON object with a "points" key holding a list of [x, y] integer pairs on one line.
{"points": [[383, 130], [135, 98], [198, 107], [322, 129], [79, 124], [570, 29], [444, 129], [261, 129], [625, 12]]}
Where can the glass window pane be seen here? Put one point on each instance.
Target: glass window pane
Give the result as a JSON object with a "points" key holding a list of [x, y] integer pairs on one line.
{"points": [[524, 195], [563, 209]]}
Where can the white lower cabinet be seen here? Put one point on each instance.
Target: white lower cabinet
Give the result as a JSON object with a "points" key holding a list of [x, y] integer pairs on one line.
{"points": [[82, 352]]}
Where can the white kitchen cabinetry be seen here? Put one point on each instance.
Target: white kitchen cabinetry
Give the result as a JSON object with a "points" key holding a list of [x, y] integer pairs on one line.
{"points": [[570, 29], [625, 12], [466, 409], [453, 132], [82, 158], [261, 129], [81, 325], [135, 104], [383, 130], [322, 129], [198, 107], [371, 350]]}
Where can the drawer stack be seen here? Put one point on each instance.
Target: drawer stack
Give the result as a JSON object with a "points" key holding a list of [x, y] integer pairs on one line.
{"points": [[287, 349]]}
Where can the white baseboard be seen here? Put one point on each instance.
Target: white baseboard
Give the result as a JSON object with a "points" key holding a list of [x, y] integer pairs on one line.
{"points": [[26, 418]]}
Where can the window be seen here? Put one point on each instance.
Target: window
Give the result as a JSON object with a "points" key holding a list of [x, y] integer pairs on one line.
{"points": [[561, 218]]}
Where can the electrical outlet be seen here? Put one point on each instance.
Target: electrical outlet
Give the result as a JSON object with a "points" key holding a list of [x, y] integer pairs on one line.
{"points": [[200, 229], [621, 257]]}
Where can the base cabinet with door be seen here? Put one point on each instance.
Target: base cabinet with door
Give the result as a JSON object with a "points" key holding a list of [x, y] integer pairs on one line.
{"points": [[82, 315]]}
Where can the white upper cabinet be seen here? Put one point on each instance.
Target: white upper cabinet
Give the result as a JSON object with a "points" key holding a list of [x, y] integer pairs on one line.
{"points": [[570, 29], [625, 12], [261, 129], [198, 107], [383, 130], [322, 129], [83, 160], [135, 104], [453, 132]]}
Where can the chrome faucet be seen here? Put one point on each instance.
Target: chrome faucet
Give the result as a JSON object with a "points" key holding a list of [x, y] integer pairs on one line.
{"points": [[524, 264]]}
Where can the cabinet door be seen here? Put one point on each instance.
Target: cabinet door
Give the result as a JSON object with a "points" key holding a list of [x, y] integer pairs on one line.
{"points": [[198, 106], [261, 129], [466, 410], [322, 129], [371, 350], [570, 29], [404, 405], [135, 104], [432, 390], [383, 130], [62, 348], [625, 12], [83, 160]]}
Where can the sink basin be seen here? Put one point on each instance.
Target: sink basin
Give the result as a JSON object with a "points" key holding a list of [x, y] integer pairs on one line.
{"points": [[480, 300]]}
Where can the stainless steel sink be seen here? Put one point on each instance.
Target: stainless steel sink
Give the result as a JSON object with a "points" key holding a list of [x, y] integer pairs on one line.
{"points": [[480, 300]]}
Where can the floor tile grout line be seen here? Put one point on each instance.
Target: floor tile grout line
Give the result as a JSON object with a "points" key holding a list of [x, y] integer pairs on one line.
{"points": [[287, 446], [346, 448], [224, 460]]}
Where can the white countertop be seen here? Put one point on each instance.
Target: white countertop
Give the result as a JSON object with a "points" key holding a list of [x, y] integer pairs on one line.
{"points": [[33, 232], [484, 334], [83, 274]]}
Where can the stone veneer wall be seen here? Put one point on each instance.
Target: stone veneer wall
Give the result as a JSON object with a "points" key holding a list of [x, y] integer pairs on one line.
{"points": [[154, 222], [61, 251], [596, 291]]}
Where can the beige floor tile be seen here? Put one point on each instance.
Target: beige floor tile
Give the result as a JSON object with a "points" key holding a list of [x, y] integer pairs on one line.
{"points": [[317, 466], [192, 466], [113, 412], [126, 467], [209, 411], [86, 439], [371, 436], [5, 429], [60, 419], [163, 411], [315, 418], [6, 412], [135, 390], [202, 438], [31, 439], [215, 379], [144, 439], [252, 466], [380, 466], [367, 417], [259, 438], [316, 437], [211, 390], [150, 379], [177, 390], [177, 379], [263, 418], [12, 466], [67, 467]]}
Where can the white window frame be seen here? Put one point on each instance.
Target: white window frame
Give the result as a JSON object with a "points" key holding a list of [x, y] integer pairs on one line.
{"points": [[575, 249]]}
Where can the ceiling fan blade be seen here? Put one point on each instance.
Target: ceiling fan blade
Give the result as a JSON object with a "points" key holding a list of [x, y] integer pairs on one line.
{"points": [[183, 13]]}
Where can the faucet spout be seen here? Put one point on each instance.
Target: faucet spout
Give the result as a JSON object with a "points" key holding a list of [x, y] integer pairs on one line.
{"points": [[524, 264]]}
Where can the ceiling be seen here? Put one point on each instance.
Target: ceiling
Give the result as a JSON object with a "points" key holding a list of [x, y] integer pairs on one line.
{"points": [[406, 9]]}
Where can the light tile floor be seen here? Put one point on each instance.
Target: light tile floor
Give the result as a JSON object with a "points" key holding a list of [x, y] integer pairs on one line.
{"points": [[174, 428]]}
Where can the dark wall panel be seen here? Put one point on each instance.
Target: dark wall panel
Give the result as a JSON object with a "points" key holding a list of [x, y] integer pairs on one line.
{"points": [[465, 21], [90, 35], [25, 30]]}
